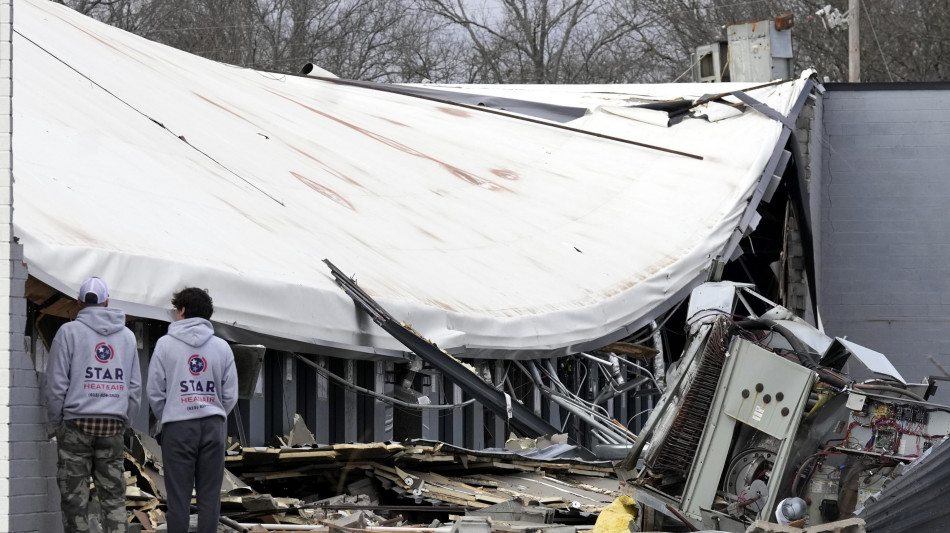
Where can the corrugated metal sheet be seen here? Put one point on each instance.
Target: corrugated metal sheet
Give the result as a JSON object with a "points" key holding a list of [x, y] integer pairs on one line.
{"points": [[916, 500], [156, 169]]}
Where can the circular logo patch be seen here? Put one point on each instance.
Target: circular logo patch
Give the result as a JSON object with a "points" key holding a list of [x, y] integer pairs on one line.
{"points": [[197, 364], [103, 352]]}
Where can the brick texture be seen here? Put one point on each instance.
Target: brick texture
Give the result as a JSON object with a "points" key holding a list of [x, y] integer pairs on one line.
{"points": [[29, 501]]}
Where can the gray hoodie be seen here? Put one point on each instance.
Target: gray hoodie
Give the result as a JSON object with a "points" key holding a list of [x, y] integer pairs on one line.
{"points": [[93, 369], [191, 374]]}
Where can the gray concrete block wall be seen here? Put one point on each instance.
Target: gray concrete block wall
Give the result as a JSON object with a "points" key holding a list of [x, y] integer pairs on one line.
{"points": [[885, 224]]}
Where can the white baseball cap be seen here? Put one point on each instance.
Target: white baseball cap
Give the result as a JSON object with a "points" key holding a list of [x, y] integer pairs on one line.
{"points": [[93, 286]]}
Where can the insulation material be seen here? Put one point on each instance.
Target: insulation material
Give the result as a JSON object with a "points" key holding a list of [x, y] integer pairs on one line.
{"points": [[616, 517]]}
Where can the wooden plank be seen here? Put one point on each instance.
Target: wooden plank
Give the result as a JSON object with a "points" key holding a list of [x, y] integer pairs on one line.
{"points": [[409, 480], [591, 473], [143, 519], [459, 501], [386, 468], [286, 455], [266, 476], [391, 477], [637, 351], [477, 481], [388, 448], [448, 492], [511, 466], [490, 499]]}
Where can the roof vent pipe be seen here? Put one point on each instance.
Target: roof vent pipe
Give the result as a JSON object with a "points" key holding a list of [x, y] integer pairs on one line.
{"points": [[312, 70]]}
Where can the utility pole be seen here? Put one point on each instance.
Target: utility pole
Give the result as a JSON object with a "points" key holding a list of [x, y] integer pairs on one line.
{"points": [[854, 41]]}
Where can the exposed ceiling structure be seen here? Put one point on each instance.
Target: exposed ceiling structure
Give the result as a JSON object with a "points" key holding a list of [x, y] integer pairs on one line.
{"points": [[491, 234]]}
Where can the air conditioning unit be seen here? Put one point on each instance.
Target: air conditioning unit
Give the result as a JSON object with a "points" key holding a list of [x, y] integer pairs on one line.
{"points": [[710, 63], [758, 51]]}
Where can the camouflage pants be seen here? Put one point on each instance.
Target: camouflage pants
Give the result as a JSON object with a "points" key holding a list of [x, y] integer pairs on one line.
{"points": [[82, 456]]}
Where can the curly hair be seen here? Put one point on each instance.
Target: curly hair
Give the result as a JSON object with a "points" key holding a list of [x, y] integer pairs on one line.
{"points": [[194, 301]]}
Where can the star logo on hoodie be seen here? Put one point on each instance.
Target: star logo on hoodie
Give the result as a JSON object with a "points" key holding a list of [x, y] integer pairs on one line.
{"points": [[103, 352], [197, 364]]}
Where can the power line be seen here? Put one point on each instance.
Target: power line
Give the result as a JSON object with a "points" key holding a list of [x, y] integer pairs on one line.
{"points": [[881, 50], [148, 117]]}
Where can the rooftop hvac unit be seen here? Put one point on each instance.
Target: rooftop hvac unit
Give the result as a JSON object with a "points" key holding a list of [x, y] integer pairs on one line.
{"points": [[710, 63], [753, 52], [761, 51]]}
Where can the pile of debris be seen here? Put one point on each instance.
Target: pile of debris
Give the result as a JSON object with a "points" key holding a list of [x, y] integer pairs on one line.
{"points": [[388, 484]]}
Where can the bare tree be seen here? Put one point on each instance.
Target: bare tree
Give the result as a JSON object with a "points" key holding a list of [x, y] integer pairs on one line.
{"points": [[537, 41], [901, 40], [526, 41]]}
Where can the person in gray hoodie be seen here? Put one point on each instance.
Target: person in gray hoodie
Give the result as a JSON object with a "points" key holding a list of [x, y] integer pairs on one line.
{"points": [[93, 390], [192, 386]]}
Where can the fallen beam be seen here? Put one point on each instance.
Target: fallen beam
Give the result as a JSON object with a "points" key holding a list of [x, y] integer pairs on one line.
{"points": [[522, 420]]}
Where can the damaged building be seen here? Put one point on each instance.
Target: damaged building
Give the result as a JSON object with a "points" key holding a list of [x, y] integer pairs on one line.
{"points": [[418, 281]]}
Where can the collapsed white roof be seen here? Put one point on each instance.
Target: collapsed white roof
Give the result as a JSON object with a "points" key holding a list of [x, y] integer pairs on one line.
{"points": [[491, 235]]}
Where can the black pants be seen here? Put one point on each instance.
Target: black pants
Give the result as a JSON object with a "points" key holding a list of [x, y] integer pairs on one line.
{"points": [[193, 457]]}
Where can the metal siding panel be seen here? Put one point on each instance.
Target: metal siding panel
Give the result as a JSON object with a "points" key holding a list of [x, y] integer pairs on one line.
{"points": [[884, 239]]}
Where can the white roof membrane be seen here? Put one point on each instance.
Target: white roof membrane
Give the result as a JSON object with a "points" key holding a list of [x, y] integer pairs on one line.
{"points": [[490, 235]]}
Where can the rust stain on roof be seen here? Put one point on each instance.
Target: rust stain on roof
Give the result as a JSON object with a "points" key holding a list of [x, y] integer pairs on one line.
{"points": [[505, 174], [429, 234], [93, 36], [325, 191], [335, 172], [454, 111], [441, 305], [221, 107], [246, 215], [464, 175], [391, 121]]}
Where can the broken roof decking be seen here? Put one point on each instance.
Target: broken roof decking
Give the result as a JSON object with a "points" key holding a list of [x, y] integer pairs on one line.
{"points": [[157, 169]]}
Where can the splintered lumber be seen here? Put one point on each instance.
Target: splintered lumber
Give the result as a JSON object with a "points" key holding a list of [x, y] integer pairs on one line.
{"points": [[443, 487], [268, 476], [304, 453], [133, 490], [419, 450], [386, 468], [637, 351], [143, 518], [285, 472], [425, 459], [605, 472], [255, 456], [484, 497], [480, 481], [379, 472], [513, 466], [408, 479], [380, 446]]}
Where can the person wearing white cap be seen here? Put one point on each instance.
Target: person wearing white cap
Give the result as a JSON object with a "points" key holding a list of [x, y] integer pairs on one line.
{"points": [[93, 390]]}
